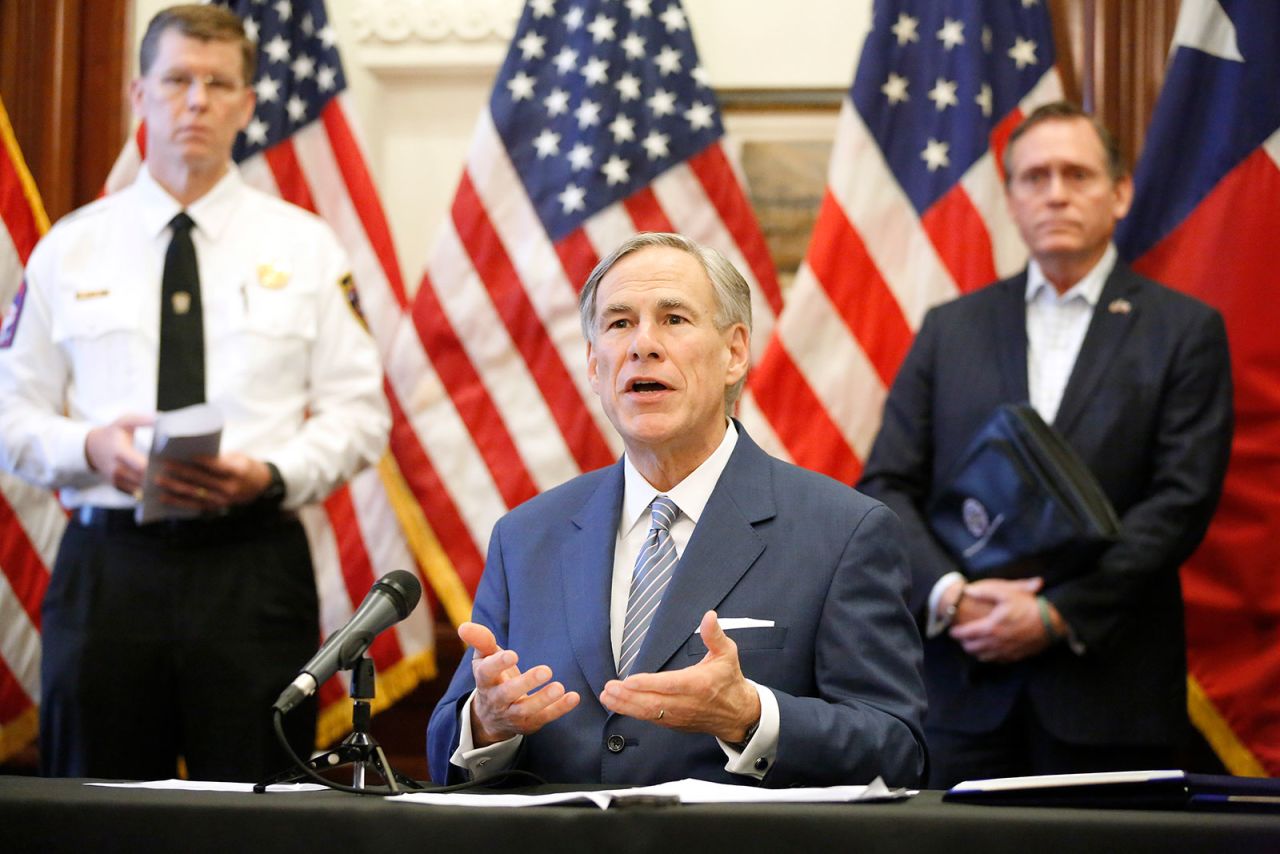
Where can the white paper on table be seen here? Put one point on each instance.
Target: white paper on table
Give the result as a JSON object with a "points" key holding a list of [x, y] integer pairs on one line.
{"points": [[680, 791], [180, 435], [212, 786]]}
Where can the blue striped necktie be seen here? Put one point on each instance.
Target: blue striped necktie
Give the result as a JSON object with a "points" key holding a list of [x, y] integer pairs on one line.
{"points": [[653, 570]]}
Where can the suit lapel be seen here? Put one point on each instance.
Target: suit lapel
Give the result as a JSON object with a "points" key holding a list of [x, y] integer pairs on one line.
{"points": [[723, 548], [586, 570], [1111, 321], [1011, 335]]}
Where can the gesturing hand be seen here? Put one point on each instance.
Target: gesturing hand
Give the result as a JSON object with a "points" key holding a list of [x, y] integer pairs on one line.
{"points": [[711, 696], [507, 702]]}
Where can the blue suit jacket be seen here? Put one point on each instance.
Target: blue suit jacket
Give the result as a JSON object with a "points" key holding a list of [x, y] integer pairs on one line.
{"points": [[1148, 408], [775, 542]]}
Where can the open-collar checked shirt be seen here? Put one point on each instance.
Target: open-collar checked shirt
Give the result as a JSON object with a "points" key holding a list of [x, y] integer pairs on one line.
{"points": [[1056, 326], [287, 361]]}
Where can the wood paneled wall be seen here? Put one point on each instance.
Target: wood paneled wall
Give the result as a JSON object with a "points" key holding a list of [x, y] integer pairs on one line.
{"points": [[64, 69], [1112, 56]]}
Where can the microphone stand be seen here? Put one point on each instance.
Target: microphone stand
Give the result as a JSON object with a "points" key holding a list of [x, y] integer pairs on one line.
{"points": [[359, 749]]}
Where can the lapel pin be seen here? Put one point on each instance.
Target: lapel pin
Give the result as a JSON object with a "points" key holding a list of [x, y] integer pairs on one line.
{"points": [[1120, 306]]}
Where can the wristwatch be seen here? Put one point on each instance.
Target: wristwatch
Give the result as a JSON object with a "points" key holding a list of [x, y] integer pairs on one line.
{"points": [[274, 493], [746, 738]]}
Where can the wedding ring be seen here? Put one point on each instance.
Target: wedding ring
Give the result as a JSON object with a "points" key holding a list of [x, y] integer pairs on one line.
{"points": [[661, 712]]}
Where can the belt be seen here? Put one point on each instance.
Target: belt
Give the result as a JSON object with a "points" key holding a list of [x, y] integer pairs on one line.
{"points": [[250, 517]]}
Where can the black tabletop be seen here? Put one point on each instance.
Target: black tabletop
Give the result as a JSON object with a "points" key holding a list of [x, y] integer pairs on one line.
{"points": [[67, 815]]}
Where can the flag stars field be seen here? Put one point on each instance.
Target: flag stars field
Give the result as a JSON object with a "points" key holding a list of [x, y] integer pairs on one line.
{"points": [[572, 76]]}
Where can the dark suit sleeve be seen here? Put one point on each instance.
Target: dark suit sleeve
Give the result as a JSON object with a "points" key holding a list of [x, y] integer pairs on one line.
{"points": [[899, 469], [1188, 462], [491, 609], [866, 719]]}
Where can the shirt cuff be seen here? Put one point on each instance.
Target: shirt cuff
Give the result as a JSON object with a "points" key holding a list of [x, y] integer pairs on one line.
{"points": [[482, 761], [1073, 641], [761, 751], [67, 440], [938, 622]]}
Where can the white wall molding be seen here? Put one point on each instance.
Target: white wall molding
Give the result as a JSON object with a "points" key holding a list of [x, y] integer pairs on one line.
{"points": [[405, 37]]}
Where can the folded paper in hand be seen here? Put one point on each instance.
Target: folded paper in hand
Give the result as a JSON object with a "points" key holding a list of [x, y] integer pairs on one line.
{"points": [[1018, 491], [180, 435]]}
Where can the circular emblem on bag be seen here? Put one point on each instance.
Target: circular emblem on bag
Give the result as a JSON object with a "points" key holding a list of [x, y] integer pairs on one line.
{"points": [[976, 520]]}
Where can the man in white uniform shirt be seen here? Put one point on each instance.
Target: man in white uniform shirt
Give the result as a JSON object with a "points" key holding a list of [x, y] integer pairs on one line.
{"points": [[1080, 667], [700, 609], [171, 639]]}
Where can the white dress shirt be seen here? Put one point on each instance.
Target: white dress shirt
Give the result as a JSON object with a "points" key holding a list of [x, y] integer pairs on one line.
{"points": [[1056, 326], [691, 496], [287, 362]]}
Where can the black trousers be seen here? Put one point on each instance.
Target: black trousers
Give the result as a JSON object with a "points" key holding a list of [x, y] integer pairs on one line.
{"points": [[173, 640], [1021, 746]]}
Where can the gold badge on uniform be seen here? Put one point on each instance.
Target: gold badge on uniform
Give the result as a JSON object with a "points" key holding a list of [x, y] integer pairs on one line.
{"points": [[181, 302], [1120, 306], [82, 295], [269, 276]]}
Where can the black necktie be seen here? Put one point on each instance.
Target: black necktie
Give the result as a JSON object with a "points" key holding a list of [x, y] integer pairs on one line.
{"points": [[181, 368]]}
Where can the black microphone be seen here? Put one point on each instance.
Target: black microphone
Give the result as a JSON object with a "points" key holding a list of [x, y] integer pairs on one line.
{"points": [[393, 596]]}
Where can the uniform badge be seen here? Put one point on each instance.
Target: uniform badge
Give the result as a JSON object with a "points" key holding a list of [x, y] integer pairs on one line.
{"points": [[9, 324], [270, 276], [1120, 306], [348, 285], [84, 295]]}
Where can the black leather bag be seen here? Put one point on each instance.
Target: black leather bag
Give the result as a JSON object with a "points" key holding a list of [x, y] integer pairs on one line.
{"points": [[1018, 491]]}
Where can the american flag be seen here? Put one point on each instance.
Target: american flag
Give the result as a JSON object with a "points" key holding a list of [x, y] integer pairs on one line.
{"points": [[913, 213], [601, 123], [301, 146], [1204, 219], [31, 520]]}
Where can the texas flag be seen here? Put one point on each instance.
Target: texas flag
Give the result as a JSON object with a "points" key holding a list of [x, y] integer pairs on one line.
{"points": [[1206, 220]]}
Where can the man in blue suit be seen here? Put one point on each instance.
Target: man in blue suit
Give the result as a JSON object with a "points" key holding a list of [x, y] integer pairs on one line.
{"points": [[704, 609], [1078, 664]]}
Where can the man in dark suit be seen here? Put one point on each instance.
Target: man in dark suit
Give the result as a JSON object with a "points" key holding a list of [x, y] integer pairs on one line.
{"points": [[1088, 672], [707, 611]]}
